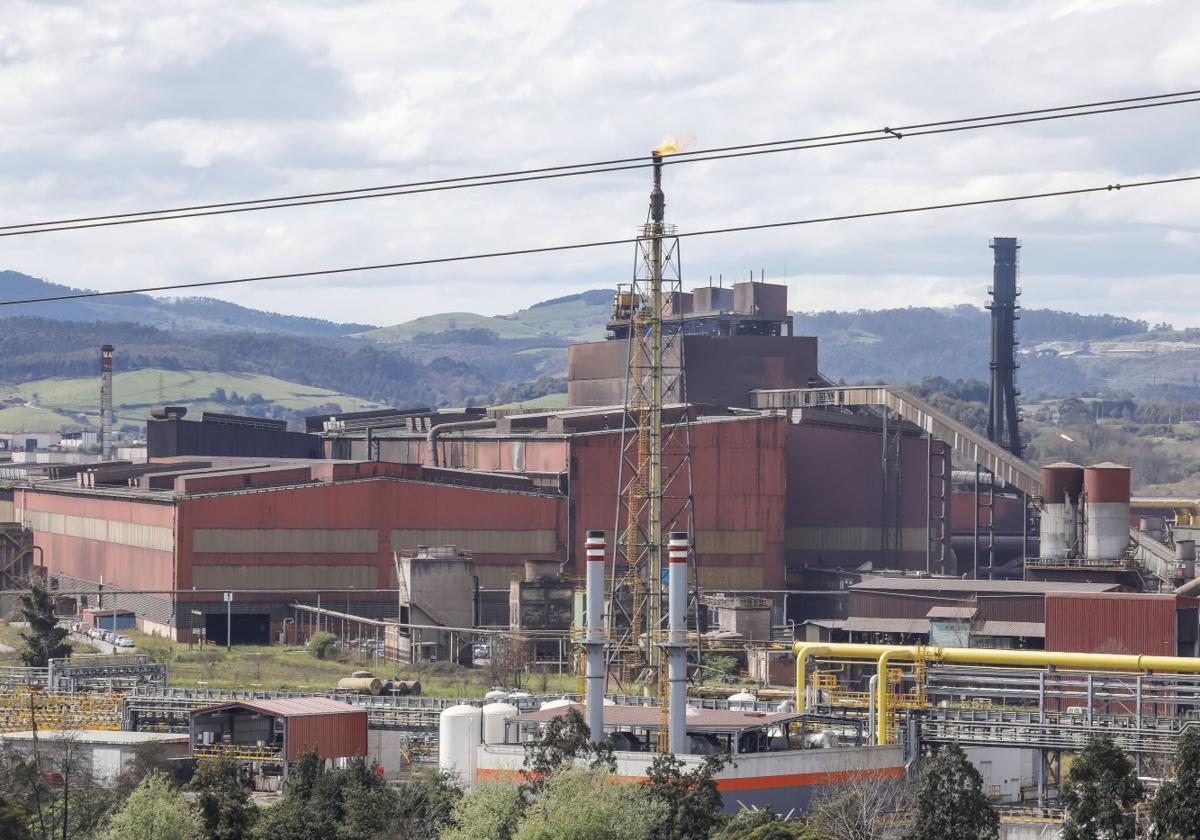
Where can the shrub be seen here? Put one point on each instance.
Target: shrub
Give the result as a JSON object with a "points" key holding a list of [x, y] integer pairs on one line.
{"points": [[322, 645]]}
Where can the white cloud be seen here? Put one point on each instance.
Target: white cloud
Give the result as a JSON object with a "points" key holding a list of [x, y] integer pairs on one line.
{"points": [[125, 105]]}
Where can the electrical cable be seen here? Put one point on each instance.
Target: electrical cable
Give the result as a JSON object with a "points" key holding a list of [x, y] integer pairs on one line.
{"points": [[546, 249], [601, 167]]}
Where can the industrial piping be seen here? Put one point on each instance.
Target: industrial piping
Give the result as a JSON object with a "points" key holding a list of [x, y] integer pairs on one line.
{"points": [[886, 654], [436, 431], [594, 643], [677, 555]]}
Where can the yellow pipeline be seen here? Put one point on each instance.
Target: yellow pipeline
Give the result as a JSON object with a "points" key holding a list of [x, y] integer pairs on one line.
{"points": [[1186, 511], [885, 654]]}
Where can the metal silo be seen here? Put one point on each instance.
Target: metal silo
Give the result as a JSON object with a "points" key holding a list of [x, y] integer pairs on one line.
{"points": [[1106, 511], [1062, 486]]}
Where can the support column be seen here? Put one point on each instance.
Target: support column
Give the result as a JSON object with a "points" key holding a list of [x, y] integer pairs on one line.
{"points": [[594, 644]]}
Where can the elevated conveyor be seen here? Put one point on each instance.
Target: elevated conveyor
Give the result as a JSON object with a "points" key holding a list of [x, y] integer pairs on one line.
{"points": [[966, 444]]}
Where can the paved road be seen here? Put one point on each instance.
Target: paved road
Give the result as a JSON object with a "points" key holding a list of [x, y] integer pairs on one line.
{"points": [[102, 646]]}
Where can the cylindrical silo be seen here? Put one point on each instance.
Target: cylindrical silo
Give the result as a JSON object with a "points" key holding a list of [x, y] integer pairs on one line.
{"points": [[1106, 511], [597, 672], [496, 695], [1062, 484], [495, 718], [460, 731]]}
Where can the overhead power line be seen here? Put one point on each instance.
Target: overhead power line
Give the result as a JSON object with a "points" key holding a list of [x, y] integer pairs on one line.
{"points": [[614, 165], [574, 246]]}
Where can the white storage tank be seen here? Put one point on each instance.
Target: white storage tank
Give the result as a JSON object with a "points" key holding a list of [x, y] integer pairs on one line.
{"points": [[460, 731], [494, 717], [496, 695], [742, 700], [1106, 511], [555, 704]]}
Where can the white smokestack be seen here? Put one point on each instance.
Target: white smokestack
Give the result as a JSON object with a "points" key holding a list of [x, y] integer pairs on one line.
{"points": [[596, 676], [677, 554]]}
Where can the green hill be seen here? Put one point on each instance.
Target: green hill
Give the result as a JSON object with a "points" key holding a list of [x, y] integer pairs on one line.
{"points": [[27, 418], [135, 392], [579, 317], [451, 321]]}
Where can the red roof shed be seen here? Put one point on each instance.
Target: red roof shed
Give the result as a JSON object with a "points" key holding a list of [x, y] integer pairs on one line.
{"points": [[333, 728]]}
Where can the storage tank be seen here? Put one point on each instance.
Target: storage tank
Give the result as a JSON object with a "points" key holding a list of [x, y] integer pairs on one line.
{"points": [[494, 717], [1106, 511], [555, 704], [460, 730], [742, 700], [496, 695], [1062, 484]]}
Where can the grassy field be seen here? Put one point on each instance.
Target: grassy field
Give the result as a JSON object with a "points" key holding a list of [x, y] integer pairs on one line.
{"points": [[26, 418], [547, 401], [280, 667], [134, 392]]}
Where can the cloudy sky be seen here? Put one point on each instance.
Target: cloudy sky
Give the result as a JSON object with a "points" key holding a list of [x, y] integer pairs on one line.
{"points": [[113, 106]]}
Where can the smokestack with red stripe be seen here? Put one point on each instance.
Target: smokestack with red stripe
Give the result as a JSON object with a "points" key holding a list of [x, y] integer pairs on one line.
{"points": [[594, 644], [677, 554]]}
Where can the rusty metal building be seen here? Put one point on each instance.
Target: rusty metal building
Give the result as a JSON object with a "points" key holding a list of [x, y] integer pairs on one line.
{"points": [[1149, 624], [279, 730], [901, 606], [283, 530]]}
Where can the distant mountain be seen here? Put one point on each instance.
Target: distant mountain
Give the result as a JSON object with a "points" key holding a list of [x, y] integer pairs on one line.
{"points": [[189, 313]]}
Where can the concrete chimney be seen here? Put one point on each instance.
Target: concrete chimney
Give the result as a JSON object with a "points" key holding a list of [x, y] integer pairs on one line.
{"points": [[106, 402], [596, 673], [677, 555]]}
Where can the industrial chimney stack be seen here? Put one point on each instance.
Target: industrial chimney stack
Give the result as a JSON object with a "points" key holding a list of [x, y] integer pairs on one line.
{"points": [[1003, 425], [106, 404]]}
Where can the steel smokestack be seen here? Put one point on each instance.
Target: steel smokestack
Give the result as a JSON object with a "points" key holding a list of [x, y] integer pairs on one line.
{"points": [[677, 555], [106, 401], [594, 549]]}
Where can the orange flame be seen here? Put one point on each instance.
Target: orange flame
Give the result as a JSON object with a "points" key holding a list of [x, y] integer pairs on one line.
{"points": [[674, 145]]}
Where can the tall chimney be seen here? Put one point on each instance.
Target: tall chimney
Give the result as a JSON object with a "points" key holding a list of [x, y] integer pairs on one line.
{"points": [[1003, 422], [677, 555], [596, 676], [106, 405]]}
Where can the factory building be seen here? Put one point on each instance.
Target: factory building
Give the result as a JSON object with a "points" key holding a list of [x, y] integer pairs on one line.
{"points": [[299, 528]]}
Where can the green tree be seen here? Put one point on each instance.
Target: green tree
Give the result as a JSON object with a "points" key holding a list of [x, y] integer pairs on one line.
{"points": [[765, 824], [14, 819], [322, 645], [155, 811], [349, 804], [690, 802], [578, 804], [225, 804], [951, 804], [45, 639], [1100, 792], [425, 805], [1175, 811], [565, 739], [490, 812]]}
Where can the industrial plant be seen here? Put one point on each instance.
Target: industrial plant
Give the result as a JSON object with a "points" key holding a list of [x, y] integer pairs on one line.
{"points": [[888, 578]]}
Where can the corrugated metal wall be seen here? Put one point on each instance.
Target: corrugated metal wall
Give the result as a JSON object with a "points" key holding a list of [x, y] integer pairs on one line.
{"points": [[1113, 623], [334, 736], [285, 540]]}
